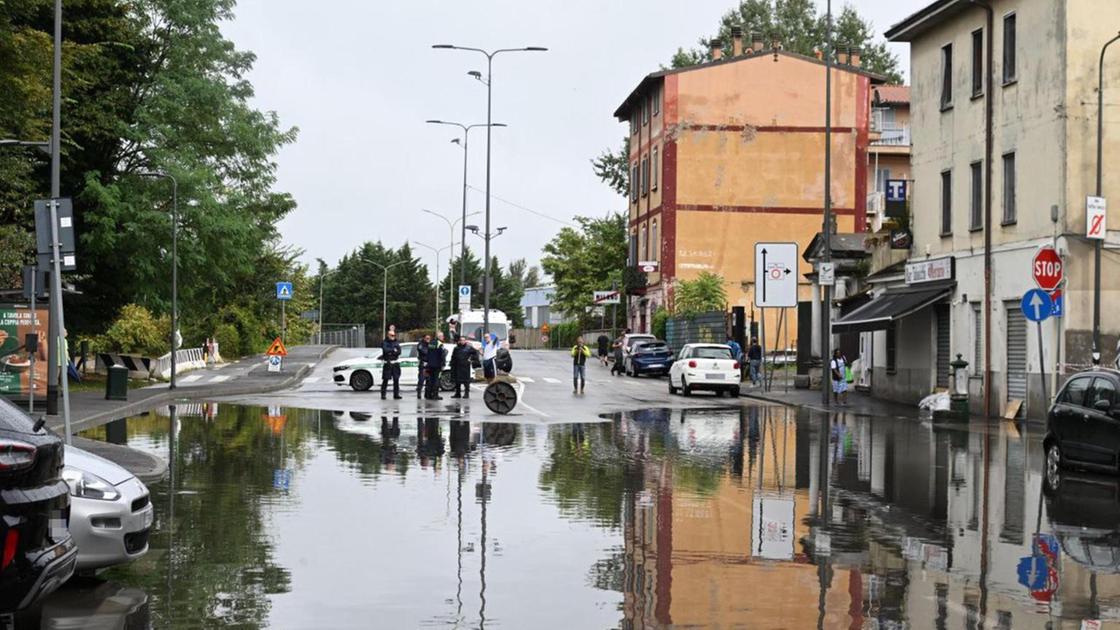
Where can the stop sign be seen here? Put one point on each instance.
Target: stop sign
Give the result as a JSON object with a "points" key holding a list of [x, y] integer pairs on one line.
{"points": [[1047, 269]]}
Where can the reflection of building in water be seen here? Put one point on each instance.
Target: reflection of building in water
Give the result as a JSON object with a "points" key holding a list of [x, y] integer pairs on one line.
{"points": [[901, 531]]}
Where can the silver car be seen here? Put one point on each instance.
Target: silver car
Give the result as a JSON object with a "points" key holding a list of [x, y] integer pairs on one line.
{"points": [[110, 510]]}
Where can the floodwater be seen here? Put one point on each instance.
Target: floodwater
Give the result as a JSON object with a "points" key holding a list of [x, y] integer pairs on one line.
{"points": [[755, 518]]}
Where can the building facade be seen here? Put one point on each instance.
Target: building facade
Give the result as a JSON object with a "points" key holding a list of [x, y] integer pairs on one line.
{"points": [[889, 151], [1031, 165], [729, 153]]}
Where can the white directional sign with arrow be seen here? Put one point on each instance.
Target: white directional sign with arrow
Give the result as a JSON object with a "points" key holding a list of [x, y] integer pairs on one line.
{"points": [[775, 275]]}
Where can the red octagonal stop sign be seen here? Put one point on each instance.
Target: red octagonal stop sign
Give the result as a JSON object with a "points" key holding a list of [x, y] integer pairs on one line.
{"points": [[1047, 269]]}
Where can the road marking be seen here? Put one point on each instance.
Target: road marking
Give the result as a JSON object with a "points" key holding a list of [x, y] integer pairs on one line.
{"points": [[313, 379], [190, 379], [549, 379], [525, 379], [221, 377]]}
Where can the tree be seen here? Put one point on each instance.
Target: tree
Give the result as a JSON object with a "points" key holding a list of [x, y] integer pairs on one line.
{"points": [[509, 286], [799, 28], [353, 293], [703, 294], [613, 168], [585, 259]]}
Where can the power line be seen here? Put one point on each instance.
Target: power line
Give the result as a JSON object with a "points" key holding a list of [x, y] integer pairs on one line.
{"points": [[529, 210]]}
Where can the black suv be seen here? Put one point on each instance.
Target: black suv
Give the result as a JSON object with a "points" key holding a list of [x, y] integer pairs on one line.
{"points": [[1084, 424], [37, 553]]}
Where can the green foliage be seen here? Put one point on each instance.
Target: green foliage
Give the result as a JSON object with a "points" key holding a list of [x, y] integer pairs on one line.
{"points": [[703, 294], [613, 168], [353, 292], [137, 331], [800, 29], [584, 260], [564, 335], [229, 339], [660, 322], [509, 285]]}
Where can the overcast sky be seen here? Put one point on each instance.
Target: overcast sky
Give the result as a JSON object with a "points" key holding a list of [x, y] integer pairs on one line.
{"points": [[359, 78]]}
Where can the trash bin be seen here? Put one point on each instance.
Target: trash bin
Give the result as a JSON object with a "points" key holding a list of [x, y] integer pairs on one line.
{"points": [[116, 386]]}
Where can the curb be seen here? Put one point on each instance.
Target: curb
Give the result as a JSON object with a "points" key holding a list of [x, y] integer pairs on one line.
{"points": [[193, 393]]}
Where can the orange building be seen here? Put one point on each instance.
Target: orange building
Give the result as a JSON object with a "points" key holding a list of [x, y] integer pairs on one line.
{"points": [[731, 152]]}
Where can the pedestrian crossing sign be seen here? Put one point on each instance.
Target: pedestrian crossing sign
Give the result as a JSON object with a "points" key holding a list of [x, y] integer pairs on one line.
{"points": [[277, 349], [283, 290]]}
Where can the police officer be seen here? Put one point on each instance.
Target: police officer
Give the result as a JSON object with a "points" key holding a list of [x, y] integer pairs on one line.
{"points": [[391, 367], [422, 355], [437, 355]]}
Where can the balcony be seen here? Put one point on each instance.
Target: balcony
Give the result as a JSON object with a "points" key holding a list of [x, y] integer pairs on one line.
{"points": [[891, 135]]}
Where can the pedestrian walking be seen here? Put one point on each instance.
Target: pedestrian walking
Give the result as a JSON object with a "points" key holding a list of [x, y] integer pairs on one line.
{"points": [[839, 377], [421, 371], [437, 356], [580, 354], [617, 368], [391, 367], [754, 359], [463, 359], [489, 356], [604, 347]]}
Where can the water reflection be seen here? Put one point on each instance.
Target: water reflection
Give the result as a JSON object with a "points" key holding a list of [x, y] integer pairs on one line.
{"points": [[91, 603], [752, 517]]}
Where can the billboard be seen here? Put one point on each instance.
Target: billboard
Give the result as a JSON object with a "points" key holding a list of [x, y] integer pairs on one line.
{"points": [[16, 322]]}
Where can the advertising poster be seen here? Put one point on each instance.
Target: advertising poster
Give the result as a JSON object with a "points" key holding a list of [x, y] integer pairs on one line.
{"points": [[16, 322]]}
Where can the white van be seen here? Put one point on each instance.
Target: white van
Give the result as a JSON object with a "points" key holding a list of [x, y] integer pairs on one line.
{"points": [[470, 325]]}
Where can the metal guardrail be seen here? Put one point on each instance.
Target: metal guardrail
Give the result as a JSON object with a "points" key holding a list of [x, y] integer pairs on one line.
{"points": [[186, 359]]}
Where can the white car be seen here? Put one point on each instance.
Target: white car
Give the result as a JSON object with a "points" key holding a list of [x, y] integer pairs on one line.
{"points": [[708, 366], [362, 373], [110, 510]]}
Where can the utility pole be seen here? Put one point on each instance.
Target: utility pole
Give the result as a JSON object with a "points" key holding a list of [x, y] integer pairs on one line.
{"points": [[56, 370], [1100, 193], [826, 229]]}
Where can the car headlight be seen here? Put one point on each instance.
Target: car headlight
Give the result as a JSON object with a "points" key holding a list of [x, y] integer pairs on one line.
{"points": [[89, 486]]}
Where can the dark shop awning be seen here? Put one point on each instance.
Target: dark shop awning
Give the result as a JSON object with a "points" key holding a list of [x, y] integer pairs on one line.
{"points": [[880, 313]]}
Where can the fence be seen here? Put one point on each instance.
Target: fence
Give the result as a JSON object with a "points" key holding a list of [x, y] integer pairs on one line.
{"points": [[702, 328], [344, 335], [186, 359]]}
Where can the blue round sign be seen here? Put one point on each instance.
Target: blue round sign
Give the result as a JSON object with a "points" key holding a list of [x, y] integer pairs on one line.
{"points": [[1037, 305]]}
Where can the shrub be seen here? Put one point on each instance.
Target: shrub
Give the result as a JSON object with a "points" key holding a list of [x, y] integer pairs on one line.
{"points": [[660, 322], [229, 340], [564, 335], [137, 331], [704, 294]]}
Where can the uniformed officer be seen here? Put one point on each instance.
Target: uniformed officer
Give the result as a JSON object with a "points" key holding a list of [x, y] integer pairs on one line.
{"points": [[391, 367]]}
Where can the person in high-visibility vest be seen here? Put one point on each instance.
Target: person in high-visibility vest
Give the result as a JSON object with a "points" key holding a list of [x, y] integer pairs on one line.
{"points": [[580, 354]]}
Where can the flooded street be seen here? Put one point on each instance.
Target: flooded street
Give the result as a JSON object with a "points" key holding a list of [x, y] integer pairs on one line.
{"points": [[753, 517]]}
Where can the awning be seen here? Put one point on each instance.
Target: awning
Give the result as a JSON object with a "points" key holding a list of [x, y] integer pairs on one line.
{"points": [[880, 313]]}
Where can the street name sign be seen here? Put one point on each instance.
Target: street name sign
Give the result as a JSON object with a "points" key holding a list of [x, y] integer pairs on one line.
{"points": [[283, 290], [1047, 269], [1096, 217], [775, 275], [1036, 305], [606, 297], [464, 297]]}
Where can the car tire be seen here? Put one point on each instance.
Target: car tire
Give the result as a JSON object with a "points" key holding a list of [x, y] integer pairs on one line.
{"points": [[1052, 468], [361, 381], [685, 388], [735, 392], [672, 390], [446, 382]]}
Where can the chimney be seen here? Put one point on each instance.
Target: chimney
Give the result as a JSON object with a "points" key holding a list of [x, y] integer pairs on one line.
{"points": [[736, 41], [756, 42], [854, 55], [717, 49], [842, 55]]}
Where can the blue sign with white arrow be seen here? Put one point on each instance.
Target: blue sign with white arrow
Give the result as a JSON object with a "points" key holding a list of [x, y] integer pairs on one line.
{"points": [[1037, 305], [283, 290]]}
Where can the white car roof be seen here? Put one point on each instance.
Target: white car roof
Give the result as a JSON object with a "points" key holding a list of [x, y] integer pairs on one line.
{"points": [[705, 345]]}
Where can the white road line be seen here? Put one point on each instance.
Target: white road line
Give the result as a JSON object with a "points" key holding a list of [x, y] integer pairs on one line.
{"points": [[190, 379], [549, 379], [221, 377], [525, 379], [313, 379]]}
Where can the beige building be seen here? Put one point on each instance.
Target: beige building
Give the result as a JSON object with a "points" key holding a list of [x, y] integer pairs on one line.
{"points": [[1033, 162]]}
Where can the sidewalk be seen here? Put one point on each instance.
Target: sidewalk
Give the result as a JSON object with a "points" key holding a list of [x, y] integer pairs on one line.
{"points": [[858, 402], [246, 376]]}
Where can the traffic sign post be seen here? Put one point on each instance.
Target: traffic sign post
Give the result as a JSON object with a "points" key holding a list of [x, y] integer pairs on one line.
{"points": [[1096, 217], [464, 297], [283, 293], [275, 353], [775, 277], [1047, 269], [1038, 307]]}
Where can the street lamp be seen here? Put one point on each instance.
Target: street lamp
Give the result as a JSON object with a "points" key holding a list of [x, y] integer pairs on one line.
{"points": [[489, 82], [437, 251], [463, 144], [451, 256], [384, 288], [321, 276], [1100, 191], [174, 264]]}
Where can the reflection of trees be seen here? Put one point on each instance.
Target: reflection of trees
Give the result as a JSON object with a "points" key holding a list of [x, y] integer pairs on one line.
{"points": [[588, 475]]}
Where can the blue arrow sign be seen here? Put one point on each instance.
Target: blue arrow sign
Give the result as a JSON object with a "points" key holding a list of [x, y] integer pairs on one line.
{"points": [[1033, 572], [283, 290], [1036, 305]]}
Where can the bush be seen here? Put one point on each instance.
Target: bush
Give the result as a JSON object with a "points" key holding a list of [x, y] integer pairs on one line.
{"points": [[137, 331], [704, 294], [564, 335], [660, 322], [229, 340]]}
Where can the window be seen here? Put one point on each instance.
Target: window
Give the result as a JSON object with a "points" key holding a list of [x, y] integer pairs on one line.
{"points": [[645, 176], [881, 177], [642, 251], [976, 198], [1009, 49], [892, 349], [634, 182], [655, 168], [657, 101], [977, 366], [633, 248], [946, 76], [1102, 389], [1008, 188], [977, 63], [946, 203], [655, 244], [634, 123], [1074, 393], [645, 111]]}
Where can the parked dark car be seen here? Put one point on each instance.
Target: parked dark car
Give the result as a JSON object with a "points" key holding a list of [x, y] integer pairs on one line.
{"points": [[1084, 424], [652, 357], [37, 553]]}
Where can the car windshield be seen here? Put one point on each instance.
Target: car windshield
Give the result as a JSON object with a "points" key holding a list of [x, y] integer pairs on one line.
{"points": [[653, 347], [637, 340], [711, 352], [408, 351], [501, 330]]}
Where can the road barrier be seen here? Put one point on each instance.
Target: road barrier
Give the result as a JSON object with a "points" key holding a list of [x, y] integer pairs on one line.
{"points": [[138, 366], [186, 359]]}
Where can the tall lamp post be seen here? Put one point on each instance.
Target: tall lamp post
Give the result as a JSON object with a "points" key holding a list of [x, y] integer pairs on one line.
{"points": [[826, 228], [322, 275], [451, 256], [1100, 193], [437, 250], [489, 82], [174, 264], [463, 144], [384, 288]]}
